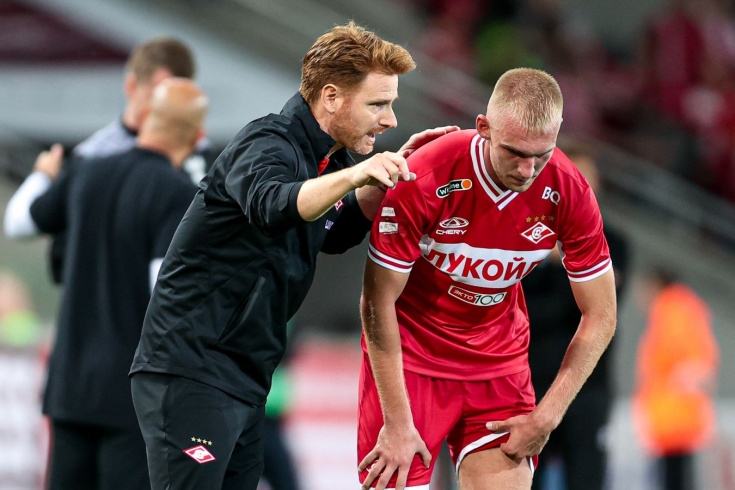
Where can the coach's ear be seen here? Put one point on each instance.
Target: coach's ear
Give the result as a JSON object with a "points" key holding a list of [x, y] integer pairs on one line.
{"points": [[483, 126], [330, 98]]}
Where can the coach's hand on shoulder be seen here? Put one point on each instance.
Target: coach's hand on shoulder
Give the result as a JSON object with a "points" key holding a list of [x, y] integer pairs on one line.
{"points": [[528, 436], [381, 169], [418, 140]]}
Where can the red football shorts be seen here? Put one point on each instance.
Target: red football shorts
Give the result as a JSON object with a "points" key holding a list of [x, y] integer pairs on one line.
{"points": [[455, 411]]}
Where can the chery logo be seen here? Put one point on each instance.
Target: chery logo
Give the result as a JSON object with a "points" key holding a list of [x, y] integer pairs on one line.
{"points": [[454, 223]]}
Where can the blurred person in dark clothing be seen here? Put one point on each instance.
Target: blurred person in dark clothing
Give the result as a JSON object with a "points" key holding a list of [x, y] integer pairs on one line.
{"points": [[149, 63], [120, 213], [580, 439], [19, 324], [280, 469]]}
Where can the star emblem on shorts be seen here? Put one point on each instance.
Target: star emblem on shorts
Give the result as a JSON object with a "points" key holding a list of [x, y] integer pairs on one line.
{"points": [[202, 441]]}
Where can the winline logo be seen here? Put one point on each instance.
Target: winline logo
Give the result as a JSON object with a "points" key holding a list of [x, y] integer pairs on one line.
{"points": [[454, 185]]}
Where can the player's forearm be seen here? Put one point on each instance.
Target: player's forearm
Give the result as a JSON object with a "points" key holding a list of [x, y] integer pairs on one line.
{"points": [[317, 195], [384, 350], [388, 373], [584, 351]]}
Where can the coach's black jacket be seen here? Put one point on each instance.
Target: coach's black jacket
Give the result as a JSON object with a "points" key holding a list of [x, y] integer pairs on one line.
{"points": [[243, 259]]}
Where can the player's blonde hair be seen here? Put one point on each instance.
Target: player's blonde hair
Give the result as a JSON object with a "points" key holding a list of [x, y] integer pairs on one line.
{"points": [[530, 97], [345, 55]]}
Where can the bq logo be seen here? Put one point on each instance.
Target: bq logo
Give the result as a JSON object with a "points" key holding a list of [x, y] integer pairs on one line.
{"points": [[454, 185], [551, 195]]}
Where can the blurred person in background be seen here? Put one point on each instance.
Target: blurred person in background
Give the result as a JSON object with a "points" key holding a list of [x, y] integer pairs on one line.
{"points": [[149, 63], [676, 372], [22, 348], [280, 469], [446, 329], [19, 325], [244, 257], [688, 78], [120, 213], [580, 440], [279, 466]]}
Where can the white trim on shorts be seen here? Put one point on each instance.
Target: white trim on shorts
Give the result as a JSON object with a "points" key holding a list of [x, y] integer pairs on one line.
{"points": [[481, 442], [420, 487]]}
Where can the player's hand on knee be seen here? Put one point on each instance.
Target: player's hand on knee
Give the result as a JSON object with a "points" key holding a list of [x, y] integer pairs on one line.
{"points": [[393, 452]]}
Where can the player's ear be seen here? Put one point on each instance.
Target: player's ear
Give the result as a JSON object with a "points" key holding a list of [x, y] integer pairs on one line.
{"points": [[201, 133], [129, 84], [483, 126]]}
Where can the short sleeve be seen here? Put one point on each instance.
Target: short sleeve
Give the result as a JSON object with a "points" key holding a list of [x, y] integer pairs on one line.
{"points": [[398, 228], [583, 243]]}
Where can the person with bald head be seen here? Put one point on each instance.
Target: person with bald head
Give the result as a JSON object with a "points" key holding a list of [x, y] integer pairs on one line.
{"points": [[120, 214], [149, 63]]}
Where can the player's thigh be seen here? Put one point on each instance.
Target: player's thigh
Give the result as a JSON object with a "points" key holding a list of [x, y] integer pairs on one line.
{"points": [[122, 461], [485, 401], [191, 431], [435, 407], [491, 469]]}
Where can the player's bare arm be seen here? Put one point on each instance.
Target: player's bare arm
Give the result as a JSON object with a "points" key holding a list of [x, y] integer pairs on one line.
{"points": [[597, 302], [318, 195], [398, 441]]}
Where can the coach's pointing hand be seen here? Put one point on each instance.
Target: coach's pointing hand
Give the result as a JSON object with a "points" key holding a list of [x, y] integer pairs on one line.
{"points": [[381, 169]]}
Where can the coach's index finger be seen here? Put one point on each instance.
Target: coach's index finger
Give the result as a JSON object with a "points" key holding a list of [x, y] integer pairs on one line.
{"points": [[402, 164]]}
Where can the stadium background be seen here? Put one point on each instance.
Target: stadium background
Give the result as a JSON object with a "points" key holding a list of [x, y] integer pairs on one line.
{"points": [[60, 79]]}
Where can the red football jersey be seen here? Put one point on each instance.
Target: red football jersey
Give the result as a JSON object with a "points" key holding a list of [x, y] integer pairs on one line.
{"points": [[467, 244]]}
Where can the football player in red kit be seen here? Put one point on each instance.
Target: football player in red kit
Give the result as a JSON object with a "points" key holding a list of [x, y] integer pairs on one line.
{"points": [[446, 331]]}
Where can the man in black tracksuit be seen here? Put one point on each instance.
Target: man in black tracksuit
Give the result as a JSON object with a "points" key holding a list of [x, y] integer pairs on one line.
{"points": [[120, 213], [243, 259]]}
